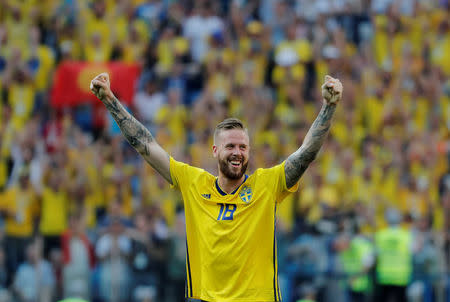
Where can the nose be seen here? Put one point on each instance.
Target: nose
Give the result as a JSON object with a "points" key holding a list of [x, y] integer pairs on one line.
{"points": [[236, 151]]}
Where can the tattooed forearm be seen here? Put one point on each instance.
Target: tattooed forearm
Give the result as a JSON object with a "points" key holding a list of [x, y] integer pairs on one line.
{"points": [[298, 161], [136, 134], [139, 137]]}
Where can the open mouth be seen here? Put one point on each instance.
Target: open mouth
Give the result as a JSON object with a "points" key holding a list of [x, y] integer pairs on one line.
{"points": [[235, 163]]}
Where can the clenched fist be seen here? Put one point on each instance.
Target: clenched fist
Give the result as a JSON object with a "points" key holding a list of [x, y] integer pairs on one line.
{"points": [[101, 87], [332, 90]]}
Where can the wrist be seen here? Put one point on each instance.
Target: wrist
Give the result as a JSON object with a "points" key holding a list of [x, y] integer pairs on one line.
{"points": [[107, 97], [329, 103]]}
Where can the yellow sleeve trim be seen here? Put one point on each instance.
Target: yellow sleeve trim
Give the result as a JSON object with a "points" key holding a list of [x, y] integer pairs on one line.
{"points": [[292, 189], [172, 167]]}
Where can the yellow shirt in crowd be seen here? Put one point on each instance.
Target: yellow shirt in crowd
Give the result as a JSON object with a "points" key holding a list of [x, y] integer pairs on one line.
{"points": [[21, 207], [54, 210]]}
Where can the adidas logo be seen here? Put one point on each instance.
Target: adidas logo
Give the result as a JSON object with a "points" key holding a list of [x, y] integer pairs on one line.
{"points": [[207, 196]]}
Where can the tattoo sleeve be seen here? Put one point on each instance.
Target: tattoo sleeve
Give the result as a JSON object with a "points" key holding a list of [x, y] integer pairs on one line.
{"points": [[298, 161], [139, 137], [136, 134]]}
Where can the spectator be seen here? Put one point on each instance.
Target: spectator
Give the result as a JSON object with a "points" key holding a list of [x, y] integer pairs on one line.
{"points": [[177, 258], [159, 234], [69, 45], [78, 259], [54, 210], [357, 259], [21, 91], [170, 50], [115, 213], [20, 207], [41, 62], [25, 158], [149, 100], [144, 253], [283, 16], [133, 50], [444, 193], [56, 262], [307, 293], [307, 261], [171, 119], [3, 270], [113, 250], [426, 263], [177, 81], [97, 37], [199, 26], [151, 11], [34, 280], [394, 259]]}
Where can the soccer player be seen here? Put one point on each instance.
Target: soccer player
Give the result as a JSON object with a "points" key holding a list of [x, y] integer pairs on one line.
{"points": [[230, 219]]}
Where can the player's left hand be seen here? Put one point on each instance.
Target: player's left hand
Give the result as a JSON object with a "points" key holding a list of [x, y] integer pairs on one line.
{"points": [[332, 90]]}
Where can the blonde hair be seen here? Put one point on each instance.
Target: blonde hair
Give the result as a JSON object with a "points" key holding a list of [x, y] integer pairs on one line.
{"points": [[229, 124]]}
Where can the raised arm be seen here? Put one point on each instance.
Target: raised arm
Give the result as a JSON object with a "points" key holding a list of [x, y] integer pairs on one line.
{"points": [[136, 134], [298, 161]]}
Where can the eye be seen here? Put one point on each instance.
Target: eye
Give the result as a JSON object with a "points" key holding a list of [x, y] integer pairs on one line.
{"points": [[243, 147]]}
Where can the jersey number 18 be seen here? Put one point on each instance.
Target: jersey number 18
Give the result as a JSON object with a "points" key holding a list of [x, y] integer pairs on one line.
{"points": [[226, 211]]}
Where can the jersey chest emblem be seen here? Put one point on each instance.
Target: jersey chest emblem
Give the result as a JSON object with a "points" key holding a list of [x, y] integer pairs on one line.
{"points": [[246, 194]]}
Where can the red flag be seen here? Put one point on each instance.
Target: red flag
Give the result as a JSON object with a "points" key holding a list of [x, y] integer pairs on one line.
{"points": [[72, 79]]}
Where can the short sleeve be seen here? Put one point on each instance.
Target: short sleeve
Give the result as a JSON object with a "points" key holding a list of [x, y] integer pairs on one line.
{"points": [[276, 178], [181, 173], [292, 189]]}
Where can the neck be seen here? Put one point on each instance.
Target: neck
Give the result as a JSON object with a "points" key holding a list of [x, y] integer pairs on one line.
{"points": [[229, 185]]}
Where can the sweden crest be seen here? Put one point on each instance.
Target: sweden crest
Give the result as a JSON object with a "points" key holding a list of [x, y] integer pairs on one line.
{"points": [[246, 194]]}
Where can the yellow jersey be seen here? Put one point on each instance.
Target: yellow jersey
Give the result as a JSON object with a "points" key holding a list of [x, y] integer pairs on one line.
{"points": [[54, 211], [231, 245], [23, 207]]}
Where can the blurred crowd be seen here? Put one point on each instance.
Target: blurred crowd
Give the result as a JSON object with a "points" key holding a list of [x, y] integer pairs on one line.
{"points": [[83, 216]]}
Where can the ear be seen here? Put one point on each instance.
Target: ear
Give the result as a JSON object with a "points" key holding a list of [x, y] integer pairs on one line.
{"points": [[214, 149]]}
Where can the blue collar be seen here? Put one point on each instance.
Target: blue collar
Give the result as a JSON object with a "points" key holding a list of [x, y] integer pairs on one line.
{"points": [[221, 192]]}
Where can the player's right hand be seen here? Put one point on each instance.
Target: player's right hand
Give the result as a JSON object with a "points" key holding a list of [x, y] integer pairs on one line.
{"points": [[332, 90], [101, 87]]}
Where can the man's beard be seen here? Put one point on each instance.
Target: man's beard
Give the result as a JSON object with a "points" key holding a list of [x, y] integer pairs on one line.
{"points": [[226, 170]]}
